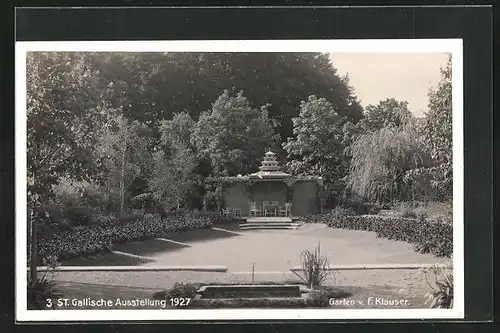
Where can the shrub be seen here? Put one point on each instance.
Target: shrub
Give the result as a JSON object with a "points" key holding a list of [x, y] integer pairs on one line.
{"points": [[182, 290], [76, 202], [340, 212], [407, 211], [427, 236], [179, 290], [372, 208], [39, 292], [129, 216], [441, 295], [321, 297], [438, 211], [78, 215], [55, 212], [43, 288], [359, 204], [315, 268]]}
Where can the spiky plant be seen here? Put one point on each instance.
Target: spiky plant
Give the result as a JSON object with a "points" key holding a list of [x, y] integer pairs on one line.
{"points": [[43, 288], [315, 268], [441, 294]]}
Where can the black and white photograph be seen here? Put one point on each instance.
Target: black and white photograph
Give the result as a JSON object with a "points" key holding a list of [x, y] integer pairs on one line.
{"points": [[280, 179]]}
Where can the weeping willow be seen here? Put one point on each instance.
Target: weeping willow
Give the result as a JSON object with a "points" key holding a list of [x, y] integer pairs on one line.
{"points": [[380, 160]]}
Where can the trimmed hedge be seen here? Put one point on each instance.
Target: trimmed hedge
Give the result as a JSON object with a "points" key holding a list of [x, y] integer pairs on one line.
{"points": [[427, 236], [103, 236]]}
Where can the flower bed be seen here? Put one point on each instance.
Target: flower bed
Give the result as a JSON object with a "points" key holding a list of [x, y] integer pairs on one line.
{"points": [[103, 236], [427, 236]]}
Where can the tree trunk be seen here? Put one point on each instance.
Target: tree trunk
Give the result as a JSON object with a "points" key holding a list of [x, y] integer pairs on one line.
{"points": [[122, 178], [33, 245]]}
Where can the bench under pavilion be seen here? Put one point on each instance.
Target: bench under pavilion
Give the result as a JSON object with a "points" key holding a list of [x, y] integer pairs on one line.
{"points": [[271, 195]]}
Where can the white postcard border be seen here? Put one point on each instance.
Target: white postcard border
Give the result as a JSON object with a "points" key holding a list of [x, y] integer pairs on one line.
{"points": [[453, 46]]}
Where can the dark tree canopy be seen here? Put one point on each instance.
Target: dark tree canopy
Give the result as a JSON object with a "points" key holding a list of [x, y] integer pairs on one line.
{"points": [[154, 86], [233, 135]]}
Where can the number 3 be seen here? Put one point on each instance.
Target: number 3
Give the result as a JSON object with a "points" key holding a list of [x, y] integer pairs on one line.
{"points": [[48, 303]]}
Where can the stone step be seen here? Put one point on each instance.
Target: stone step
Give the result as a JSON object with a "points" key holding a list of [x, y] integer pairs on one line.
{"points": [[268, 228], [269, 219], [254, 226], [270, 224]]}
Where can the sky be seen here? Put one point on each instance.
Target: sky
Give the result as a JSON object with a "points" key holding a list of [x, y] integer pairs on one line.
{"points": [[404, 76]]}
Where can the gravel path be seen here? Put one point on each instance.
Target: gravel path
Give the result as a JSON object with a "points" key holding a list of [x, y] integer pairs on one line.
{"points": [[401, 278]]}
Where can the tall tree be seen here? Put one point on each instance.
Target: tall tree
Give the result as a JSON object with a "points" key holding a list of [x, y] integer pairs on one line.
{"points": [[171, 178], [437, 132], [64, 102], [389, 112], [233, 135], [380, 161], [318, 146], [156, 85], [123, 149], [437, 126], [177, 158], [176, 132]]}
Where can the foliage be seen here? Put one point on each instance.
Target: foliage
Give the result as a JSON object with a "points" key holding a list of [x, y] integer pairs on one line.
{"points": [[438, 125], [437, 131], [380, 160], [171, 178], [176, 133], [387, 113], [322, 296], [75, 202], [156, 85], [43, 288], [441, 296], [427, 236], [340, 212], [102, 237], [317, 148], [174, 163], [428, 183], [411, 210], [233, 135], [86, 112], [179, 290], [65, 99], [182, 290], [315, 268], [123, 150]]}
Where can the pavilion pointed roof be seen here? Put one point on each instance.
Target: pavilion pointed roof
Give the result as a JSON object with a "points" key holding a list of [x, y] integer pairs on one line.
{"points": [[269, 168]]}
